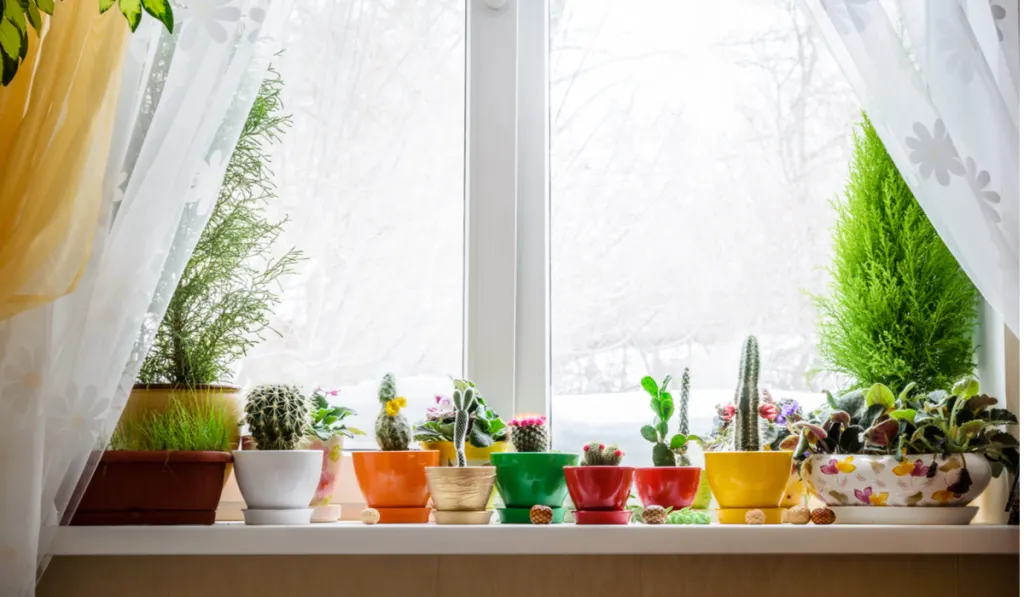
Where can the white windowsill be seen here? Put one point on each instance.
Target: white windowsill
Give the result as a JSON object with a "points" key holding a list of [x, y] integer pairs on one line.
{"points": [[347, 538]]}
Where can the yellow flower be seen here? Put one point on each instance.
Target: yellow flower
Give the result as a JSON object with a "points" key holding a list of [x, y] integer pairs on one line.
{"points": [[393, 406], [879, 499], [903, 469], [847, 465], [943, 496], [335, 453]]}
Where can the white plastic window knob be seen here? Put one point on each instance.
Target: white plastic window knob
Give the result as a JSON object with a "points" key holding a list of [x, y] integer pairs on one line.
{"points": [[496, 4]]}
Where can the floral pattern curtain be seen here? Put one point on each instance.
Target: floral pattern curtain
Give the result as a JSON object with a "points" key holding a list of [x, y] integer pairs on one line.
{"points": [[67, 366], [940, 80]]}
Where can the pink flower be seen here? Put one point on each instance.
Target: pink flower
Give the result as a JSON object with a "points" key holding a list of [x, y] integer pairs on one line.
{"points": [[768, 411], [727, 412]]}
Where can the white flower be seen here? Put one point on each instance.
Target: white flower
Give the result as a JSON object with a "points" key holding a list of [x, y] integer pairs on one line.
{"points": [[77, 418], [958, 49], [208, 16], [934, 151], [978, 181], [22, 379]]}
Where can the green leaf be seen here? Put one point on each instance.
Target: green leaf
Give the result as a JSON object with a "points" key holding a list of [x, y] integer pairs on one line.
{"points": [[649, 385], [879, 394], [105, 5], [161, 11], [132, 11], [970, 429], [663, 456], [904, 414], [15, 13], [664, 384], [678, 442], [979, 403], [666, 407], [966, 387], [906, 391], [33, 16], [45, 6], [649, 433], [662, 428], [10, 40]]}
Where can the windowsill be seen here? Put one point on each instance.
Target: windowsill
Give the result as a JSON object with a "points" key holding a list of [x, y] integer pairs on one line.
{"points": [[350, 538]]}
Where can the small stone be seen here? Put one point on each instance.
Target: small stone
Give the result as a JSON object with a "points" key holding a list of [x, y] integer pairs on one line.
{"points": [[541, 515], [823, 516], [798, 515], [754, 516], [655, 515], [369, 516]]}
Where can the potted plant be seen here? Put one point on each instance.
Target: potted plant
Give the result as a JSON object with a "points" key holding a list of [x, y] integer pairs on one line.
{"points": [[599, 487], [873, 448], [393, 481], [748, 478], [671, 482], [327, 431], [277, 478], [460, 493], [531, 476], [160, 468], [487, 434]]}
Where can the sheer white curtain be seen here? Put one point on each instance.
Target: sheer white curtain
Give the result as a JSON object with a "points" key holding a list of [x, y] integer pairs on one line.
{"points": [[940, 81], [66, 368]]}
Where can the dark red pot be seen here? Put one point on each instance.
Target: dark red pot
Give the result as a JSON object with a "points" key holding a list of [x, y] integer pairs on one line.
{"points": [[667, 486], [153, 488], [599, 487]]}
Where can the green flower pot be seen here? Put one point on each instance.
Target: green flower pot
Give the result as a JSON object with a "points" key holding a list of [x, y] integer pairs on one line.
{"points": [[527, 479]]}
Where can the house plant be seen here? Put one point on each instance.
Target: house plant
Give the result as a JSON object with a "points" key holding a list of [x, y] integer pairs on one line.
{"points": [[161, 468], [873, 448], [460, 493], [748, 478], [327, 431], [531, 476], [600, 486], [393, 481], [487, 434], [278, 478], [671, 482]]}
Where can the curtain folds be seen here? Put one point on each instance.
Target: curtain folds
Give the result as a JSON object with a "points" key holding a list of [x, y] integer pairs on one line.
{"points": [[941, 83], [67, 365]]}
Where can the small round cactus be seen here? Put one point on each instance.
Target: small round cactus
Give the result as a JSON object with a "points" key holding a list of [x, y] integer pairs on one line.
{"points": [[392, 429], [278, 417], [595, 454], [541, 515], [754, 516], [369, 516], [655, 515], [530, 434], [798, 515], [823, 516]]}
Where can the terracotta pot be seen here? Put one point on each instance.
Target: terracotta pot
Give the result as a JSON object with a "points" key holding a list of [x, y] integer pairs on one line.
{"points": [[330, 474], [667, 486], [153, 488], [155, 398], [599, 487], [869, 480], [396, 481], [460, 489]]}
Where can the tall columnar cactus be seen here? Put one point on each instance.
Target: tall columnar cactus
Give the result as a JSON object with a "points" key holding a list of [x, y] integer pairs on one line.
{"points": [[530, 434], [393, 430], [464, 397], [595, 454], [748, 431], [684, 416], [278, 417]]}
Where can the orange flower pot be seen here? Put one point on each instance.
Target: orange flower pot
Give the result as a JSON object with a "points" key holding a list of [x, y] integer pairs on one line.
{"points": [[396, 482]]}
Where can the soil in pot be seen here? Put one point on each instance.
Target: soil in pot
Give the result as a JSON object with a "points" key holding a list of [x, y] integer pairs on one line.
{"points": [[395, 483], [527, 479], [153, 488], [599, 487], [667, 486]]}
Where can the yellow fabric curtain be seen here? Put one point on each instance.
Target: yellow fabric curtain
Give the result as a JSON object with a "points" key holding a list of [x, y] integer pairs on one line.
{"points": [[56, 121]]}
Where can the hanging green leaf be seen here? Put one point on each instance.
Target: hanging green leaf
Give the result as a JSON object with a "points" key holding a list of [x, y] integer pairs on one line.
{"points": [[15, 13], [132, 11], [161, 11], [105, 5], [10, 41], [44, 5]]}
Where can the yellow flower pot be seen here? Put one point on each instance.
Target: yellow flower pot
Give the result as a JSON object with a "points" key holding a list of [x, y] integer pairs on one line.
{"points": [[743, 481], [474, 457]]}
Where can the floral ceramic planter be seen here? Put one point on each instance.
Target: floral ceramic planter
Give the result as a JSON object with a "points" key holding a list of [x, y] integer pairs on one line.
{"points": [[330, 472], [919, 480]]}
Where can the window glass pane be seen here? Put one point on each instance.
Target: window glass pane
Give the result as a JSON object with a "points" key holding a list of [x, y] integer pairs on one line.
{"points": [[371, 176], [694, 149]]}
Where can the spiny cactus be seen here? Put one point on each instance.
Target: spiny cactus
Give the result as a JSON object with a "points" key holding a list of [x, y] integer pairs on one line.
{"points": [[393, 431], [530, 434], [595, 454], [464, 397], [278, 417], [747, 431], [684, 416]]}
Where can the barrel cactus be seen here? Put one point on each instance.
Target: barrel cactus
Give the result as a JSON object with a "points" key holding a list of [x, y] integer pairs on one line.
{"points": [[392, 429], [278, 417], [530, 434], [747, 432], [595, 454]]}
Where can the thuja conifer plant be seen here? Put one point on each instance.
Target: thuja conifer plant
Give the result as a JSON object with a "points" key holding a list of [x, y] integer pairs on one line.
{"points": [[899, 308]]}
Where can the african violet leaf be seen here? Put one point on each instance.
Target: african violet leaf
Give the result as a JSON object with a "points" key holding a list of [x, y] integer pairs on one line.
{"points": [[879, 394], [903, 414], [905, 394], [882, 434], [790, 443], [850, 441], [979, 403], [840, 418], [966, 387], [813, 432], [969, 430], [999, 415]]}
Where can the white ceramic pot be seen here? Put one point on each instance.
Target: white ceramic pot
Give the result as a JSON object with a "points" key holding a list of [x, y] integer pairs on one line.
{"points": [[867, 480], [277, 479]]}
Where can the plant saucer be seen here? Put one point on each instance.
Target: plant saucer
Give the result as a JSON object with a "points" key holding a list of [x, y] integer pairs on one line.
{"points": [[919, 515]]}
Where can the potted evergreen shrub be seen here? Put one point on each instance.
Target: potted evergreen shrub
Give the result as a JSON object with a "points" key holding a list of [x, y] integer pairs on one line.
{"points": [[671, 482], [160, 468], [394, 481], [327, 433], [278, 477], [600, 486], [748, 477], [531, 476], [460, 493]]}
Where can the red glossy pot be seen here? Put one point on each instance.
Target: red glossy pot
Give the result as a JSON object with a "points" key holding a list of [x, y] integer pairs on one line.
{"points": [[599, 487], [667, 486]]}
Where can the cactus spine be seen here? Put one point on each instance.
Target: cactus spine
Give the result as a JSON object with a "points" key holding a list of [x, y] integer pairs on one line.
{"points": [[464, 398], [278, 417], [595, 454], [392, 429], [529, 434], [748, 431], [684, 416]]}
